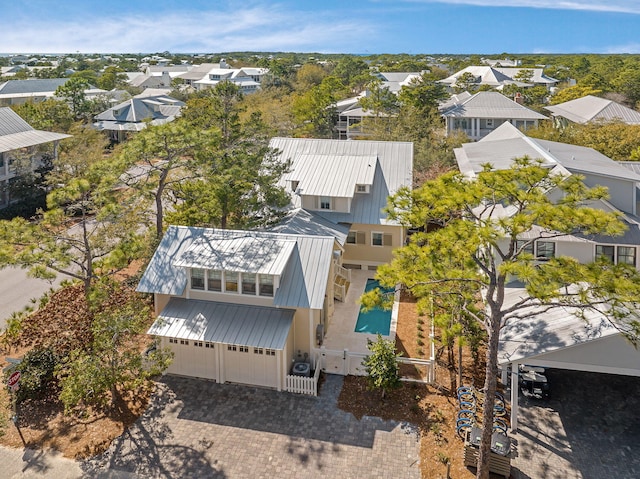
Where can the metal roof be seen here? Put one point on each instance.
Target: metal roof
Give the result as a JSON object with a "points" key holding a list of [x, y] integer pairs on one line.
{"points": [[590, 108], [330, 175], [226, 323], [506, 142], [139, 109], [36, 85], [394, 169], [303, 281], [488, 104], [244, 254], [15, 133], [11, 122], [551, 330], [305, 222]]}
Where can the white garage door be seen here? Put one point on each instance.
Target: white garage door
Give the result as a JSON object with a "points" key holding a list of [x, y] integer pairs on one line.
{"points": [[248, 365], [193, 358]]}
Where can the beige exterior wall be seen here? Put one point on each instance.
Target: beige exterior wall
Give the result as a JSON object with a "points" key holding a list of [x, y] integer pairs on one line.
{"points": [[340, 205], [366, 254]]}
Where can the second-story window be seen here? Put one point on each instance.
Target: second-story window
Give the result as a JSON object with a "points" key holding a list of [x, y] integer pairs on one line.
{"points": [[376, 239], [606, 251], [230, 282], [627, 254], [197, 278], [325, 203], [525, 246], [545, 249], [249, 283], [214, 280], [266, 285]]}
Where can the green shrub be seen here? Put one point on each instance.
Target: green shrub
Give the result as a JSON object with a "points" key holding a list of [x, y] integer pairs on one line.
{"points": [[36, 370]]}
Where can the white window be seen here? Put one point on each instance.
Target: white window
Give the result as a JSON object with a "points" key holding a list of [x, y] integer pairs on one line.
{"points": [[249, 283], [266, 285], [243, 349], [351, 237], [376, 239], [361, 188], [270, 352], [197, 278], [230, 282], [356, 237], [627, 254], [325, 203], [525, 246], [258, 351], [545, 249], [489, 123], [606, 251], [214, 280]]}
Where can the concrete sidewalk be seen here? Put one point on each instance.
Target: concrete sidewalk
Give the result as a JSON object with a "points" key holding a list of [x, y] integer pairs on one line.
{"points": [[30, 463]]}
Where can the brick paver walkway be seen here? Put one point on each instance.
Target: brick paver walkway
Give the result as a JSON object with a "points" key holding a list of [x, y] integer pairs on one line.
{"points": [[203, 429]]}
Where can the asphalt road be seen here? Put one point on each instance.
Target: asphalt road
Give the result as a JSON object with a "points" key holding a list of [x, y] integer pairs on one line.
{"points": [[17, 290]]}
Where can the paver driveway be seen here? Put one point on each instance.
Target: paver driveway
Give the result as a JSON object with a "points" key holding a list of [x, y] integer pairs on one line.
{"points": [[203, 429]]}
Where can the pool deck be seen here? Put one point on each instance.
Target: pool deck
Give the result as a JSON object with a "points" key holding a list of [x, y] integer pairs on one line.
{"points": [[341, 332]]}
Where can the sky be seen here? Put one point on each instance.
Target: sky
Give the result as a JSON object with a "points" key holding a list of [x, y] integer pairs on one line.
{"points": [[322, 26]]}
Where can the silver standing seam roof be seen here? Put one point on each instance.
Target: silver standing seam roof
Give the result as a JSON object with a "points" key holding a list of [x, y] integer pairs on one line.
{"points": [[227, 323], [302, 282], [303, 222], [506, 142], [489, 104], [393, 170], [593, 108], [15, 133]]}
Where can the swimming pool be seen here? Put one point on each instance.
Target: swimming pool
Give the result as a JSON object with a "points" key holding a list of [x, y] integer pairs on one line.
{"points": [[376, 320]]}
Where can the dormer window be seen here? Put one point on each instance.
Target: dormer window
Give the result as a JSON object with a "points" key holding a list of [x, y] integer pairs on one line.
{"points": [[230, 282], [214, 280], [197, 278], [266, 285], [249, 284], [362, 189], [325, 203]]}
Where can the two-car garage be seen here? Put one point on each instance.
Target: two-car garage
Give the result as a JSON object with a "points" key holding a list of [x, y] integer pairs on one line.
{"points": [[226, 342]]}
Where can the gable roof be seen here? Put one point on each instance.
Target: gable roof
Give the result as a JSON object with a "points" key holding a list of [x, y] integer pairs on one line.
{"points": [[16, 133], [393, 169], [506, 142], [485, 75], [305, 222], [490, 104], [592, 108], [302, 283]]}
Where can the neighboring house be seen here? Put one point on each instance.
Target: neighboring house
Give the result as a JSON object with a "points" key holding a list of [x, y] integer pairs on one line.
{"points": [[480, 114], [351, 114], [592, 109], [248, 79], [16, 92], [506, 62], [500, 77], [135, 114], [557, 338], [348, 183], [196, 73], [17, 139], [246, 306]]}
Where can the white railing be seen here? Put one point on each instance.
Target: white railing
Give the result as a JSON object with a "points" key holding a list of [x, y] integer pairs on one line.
{"points": [[301, 384], [350, 363], [344, 272], [339, 291]]}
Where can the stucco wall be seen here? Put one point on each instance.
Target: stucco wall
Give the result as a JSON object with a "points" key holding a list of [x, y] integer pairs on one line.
{"points": [[368, 255]]}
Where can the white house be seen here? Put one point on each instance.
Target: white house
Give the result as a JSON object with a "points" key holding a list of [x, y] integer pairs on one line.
{"points": [[248, 79], [18, 138], [558, 338], [480, 114], [590, 109], [246, 306], [16, 92], [496, 77]]}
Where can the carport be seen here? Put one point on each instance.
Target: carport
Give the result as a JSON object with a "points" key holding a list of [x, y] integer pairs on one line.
{"points": [[558, 338]]}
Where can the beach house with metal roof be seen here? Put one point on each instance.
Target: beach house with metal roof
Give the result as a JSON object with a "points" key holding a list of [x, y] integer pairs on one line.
{"points": [[239, 306], [480, 114], [592, 109], [136, 113], [563, 337], [348, 183], [18, 140], [16, 92]]}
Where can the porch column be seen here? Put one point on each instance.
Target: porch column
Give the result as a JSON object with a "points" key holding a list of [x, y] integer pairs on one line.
{"points": [[279, 369], [514, 396]]}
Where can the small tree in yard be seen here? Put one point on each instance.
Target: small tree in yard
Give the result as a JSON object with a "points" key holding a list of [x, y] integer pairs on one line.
{"points": [[382, 365], [115, 363]]}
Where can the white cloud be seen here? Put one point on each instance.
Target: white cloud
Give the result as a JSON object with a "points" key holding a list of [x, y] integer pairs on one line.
{"points": [[619, 6], [260, 28]]}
